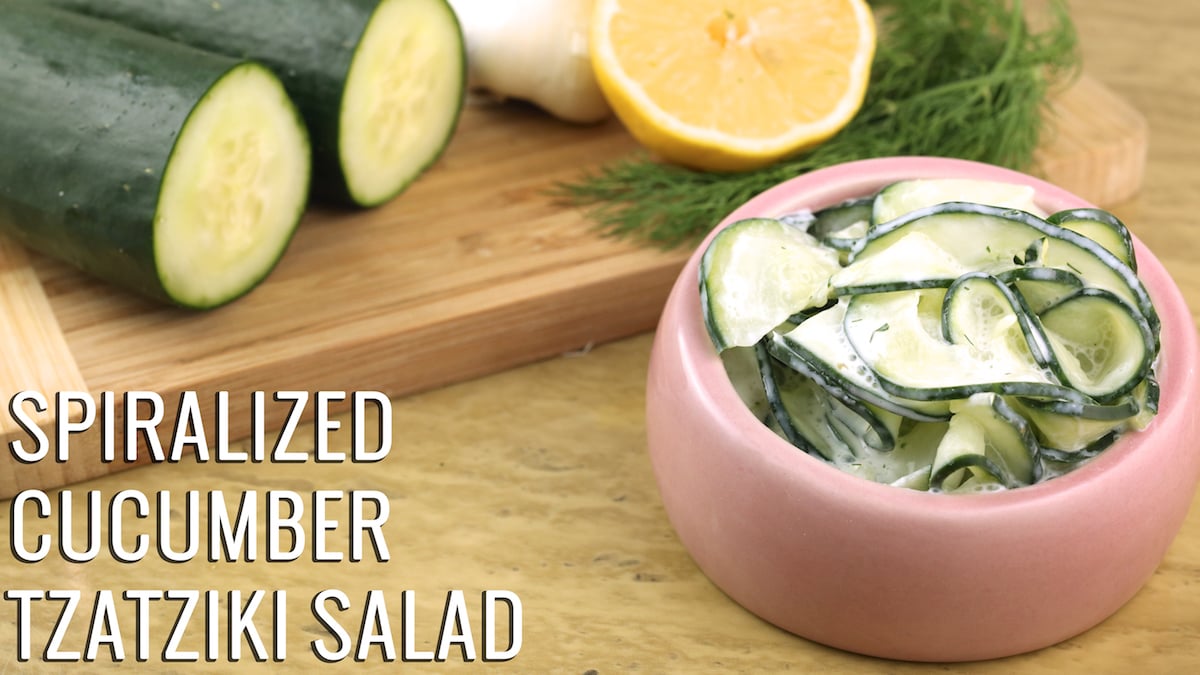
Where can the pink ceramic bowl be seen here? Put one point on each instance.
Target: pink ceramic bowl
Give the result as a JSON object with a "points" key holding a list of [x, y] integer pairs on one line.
{"points": [[897, 573]]}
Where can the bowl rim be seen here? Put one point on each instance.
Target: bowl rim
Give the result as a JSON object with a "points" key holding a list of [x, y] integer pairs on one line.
{"points": [[828, 186]]}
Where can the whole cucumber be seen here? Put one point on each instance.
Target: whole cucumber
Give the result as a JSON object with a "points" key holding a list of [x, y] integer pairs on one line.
{"points": [[379, 82], [170, 171]]}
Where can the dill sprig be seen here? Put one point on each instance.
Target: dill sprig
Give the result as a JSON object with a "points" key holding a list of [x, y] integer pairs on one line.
{"points": [[951, 78]]}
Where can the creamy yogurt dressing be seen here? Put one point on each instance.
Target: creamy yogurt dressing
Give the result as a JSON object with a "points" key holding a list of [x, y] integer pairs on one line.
{"points": [[910, 462]]}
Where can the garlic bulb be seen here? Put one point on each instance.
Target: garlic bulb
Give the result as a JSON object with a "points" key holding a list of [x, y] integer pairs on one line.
{"points": [[535, 51]]}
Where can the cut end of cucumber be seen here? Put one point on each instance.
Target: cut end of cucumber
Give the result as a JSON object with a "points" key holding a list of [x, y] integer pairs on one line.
{"points": [[402, 99], [233, 190]]}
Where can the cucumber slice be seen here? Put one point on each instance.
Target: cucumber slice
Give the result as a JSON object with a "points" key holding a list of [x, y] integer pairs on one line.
{"points": [[842, 225], [899, 336], [1060, 461], [918, 479], [1069, 434], [1102, 345], [820, 349], [806, 314], [741, 365], [1041, 287], [852, 214], [1065, 436], [1101, 227], [911, 463], [979, 237], [1147, 397], [904, 197], [816, 420], [799, 408], [892, 268], [962, 452], [987, 443], [175, 173], [1102, 270], [979, 311], [1119, 410], [994, 240], [757, 273], [874, 425]]}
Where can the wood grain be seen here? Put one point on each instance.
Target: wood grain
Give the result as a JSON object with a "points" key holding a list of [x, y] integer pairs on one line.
{"points": [[472, 271], [34, 348], [1095, 146]]}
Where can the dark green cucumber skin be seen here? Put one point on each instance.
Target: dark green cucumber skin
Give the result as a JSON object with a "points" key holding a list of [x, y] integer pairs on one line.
{"points": [[89, 114], [308, 43]]}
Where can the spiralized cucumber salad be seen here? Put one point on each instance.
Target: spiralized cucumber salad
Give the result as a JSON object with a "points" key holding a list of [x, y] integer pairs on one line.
{"points": [[942, 334]]}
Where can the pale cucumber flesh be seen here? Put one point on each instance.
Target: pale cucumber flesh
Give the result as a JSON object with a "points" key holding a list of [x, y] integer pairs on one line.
{"points": [[233, 190], [402, 97], [907, 196]]}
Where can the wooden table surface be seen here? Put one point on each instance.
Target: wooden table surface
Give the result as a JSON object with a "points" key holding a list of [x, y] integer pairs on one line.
{"points": [[536, 481]]}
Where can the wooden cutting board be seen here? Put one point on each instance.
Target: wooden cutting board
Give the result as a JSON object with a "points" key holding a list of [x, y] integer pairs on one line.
{"points": [[472, 270]]}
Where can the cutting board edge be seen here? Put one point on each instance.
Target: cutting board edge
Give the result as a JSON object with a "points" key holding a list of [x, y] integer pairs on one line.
{"points": [[546, 340]]}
